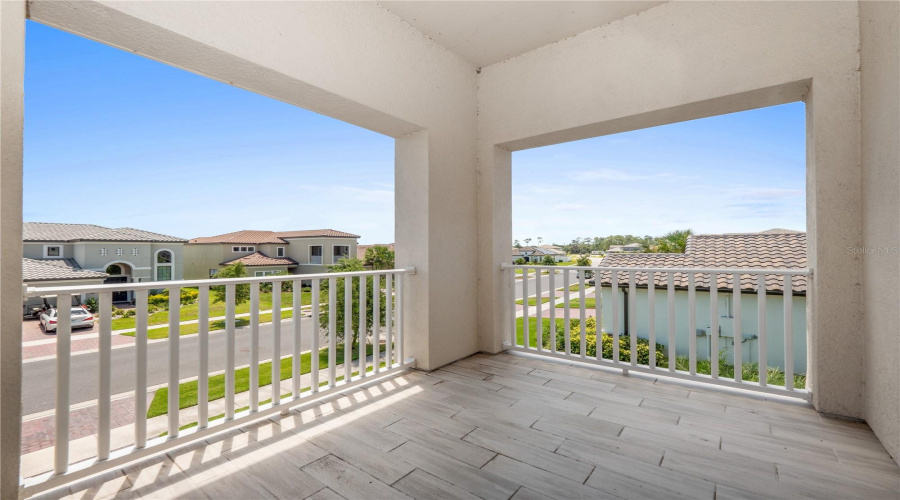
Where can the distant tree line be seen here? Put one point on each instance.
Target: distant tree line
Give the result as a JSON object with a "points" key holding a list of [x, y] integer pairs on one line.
{"points": [[672, 242]]}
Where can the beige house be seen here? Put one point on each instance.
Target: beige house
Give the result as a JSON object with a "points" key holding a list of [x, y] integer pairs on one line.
{"points": [[268, 252]]}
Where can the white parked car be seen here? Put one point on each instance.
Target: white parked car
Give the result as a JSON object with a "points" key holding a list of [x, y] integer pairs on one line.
{"points": [[81, 318]]}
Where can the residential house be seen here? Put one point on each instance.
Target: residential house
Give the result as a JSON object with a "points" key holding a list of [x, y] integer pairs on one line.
{"points": [[629, 248], [125, 255], [777, 248], [268, 252], [536, 254], [56, 272]]}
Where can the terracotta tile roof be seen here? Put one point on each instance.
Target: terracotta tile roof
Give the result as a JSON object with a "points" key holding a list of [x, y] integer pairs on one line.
{"points": [[261, 259], [262, 237], [56, 270], [50, 231], [361, 249], [770, 249]]}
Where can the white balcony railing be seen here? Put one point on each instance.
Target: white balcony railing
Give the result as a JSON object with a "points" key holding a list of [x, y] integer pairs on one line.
{"points": [[754, 326], [391, 291]]}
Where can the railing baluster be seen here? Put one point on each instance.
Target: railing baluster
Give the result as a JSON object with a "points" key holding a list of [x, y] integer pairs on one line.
{"points": [[140, 379], [296, 321], [229, 351], [348, 328], [105, 351], [737, 327], [314, 348], [761, 322], [567, 335], [513, 341], [583, 323], [651, 317], [400, 351], [174, 352], [598, 314], [276, 343], [525, 333], [254, 347], [363, 317], [332, 330], [63, 365], [788, 333], [539, 312], [203, 375], [692, 323], [670, 296], [389, 320], [714, 325], [614, 296], [552, 296], [376, 323], [632, 316]]}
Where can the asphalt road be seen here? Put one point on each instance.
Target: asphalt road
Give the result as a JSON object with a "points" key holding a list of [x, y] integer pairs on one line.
{"points": [[545, 283], [39, 377]]}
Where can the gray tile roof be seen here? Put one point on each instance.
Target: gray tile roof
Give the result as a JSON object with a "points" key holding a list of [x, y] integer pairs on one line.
{"points": [[51, 231], [56, 270], [781, 249]]}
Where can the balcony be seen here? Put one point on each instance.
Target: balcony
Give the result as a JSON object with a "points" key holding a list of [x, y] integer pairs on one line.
{"points": [[519, 426]]}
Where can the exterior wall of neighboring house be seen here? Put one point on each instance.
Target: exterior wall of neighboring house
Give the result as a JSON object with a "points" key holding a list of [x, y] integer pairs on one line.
{"points": [[200, 258], [299, 250], [266, 270], [141, 266], [749, 324]]}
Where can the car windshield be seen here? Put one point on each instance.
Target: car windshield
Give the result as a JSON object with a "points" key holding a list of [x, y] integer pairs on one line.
{"points": [[78, 311]]}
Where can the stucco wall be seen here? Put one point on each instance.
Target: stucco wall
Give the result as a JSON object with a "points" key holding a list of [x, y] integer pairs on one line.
{"points": [[685, 60], [749, 324], [357, 62], [880, 113]]}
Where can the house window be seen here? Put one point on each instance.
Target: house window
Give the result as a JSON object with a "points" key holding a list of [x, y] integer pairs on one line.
{"points": [[340, 252], [315, 254], [103, 251], [243, 249], [114, 269], [134, 251], [265, 273], [164, 260], [235, 249], [119, 251], [279, 251], [53, 251], [251, 249], [213, 273]]}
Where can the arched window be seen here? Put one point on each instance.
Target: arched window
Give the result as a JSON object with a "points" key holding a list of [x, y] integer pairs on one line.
{"points": [[164, 261], [113, 269]]}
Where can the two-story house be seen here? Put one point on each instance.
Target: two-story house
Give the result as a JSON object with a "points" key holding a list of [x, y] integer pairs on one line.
{"points": [[268, 252], [126, 255]]}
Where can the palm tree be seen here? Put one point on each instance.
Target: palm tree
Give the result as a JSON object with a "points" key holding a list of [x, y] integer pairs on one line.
{"points": [[673, 242]]}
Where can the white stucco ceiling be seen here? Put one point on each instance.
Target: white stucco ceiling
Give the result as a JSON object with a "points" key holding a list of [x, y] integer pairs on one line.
{"points": [[488, 32]]}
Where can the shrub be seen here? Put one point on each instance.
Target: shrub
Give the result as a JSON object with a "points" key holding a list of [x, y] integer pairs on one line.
{"points": [[160, 300], [189, 296], [643, 345], [128, 313], [92, 305]]}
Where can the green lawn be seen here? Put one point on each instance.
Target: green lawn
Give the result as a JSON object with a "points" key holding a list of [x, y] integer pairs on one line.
{"points": [[532, 329], [191, 311], [533, 301], [589, 303], [187, 391], [161, 333]]}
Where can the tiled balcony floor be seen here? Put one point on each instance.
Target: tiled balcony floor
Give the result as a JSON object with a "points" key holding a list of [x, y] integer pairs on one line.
{"points": [[509, 426]]}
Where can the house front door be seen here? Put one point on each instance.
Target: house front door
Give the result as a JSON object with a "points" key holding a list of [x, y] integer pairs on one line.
{"points": [[118, 297]]}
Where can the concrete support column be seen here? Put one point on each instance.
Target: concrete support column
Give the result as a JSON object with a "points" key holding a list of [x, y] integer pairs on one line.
{"points": [[12, 66], [834, 306], [495, 244]]}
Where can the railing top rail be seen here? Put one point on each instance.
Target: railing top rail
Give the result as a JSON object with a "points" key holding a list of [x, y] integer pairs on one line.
{"points": [[33, 291], [687, 270]]}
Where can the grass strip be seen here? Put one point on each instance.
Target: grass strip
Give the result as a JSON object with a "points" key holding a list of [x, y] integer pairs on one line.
{"points": [[187, 391]]}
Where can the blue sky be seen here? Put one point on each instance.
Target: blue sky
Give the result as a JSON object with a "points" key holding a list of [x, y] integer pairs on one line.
{"points": [[115, 139], [743, 172]]}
